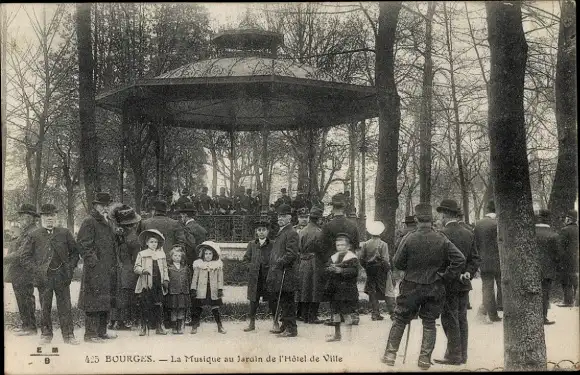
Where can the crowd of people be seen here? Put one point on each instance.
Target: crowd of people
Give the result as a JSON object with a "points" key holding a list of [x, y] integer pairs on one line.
{"points": [[164, 270]]}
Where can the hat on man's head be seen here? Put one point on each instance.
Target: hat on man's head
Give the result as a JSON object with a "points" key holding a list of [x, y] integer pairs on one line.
{"points": [[187, 207], [424, 211], [345, 236], [491, 206], [338, 200], [375, 228], [316, 212], [28, 209], [102, 198], [449, 205], [160, 206], [409, 220], [185, 191], [284, 209], [303, 212], [48, 209], [148, 233], [283, 190], [572, 214], [125, 215]]}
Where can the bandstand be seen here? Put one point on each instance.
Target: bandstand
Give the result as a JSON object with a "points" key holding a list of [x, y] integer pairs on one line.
{"points": [[245, 86]]}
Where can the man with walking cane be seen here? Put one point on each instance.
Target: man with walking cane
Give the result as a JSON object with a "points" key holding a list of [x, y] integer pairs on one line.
{"points": [[428, 257], [282, 277]]}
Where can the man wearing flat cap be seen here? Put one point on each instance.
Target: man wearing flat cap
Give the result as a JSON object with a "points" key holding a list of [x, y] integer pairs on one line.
{"points": [[98, 245], [311, 268], [548, 244], [282, 279], [50, 254], [569, 258], [429, 259], [15, 272], [454, 315]]}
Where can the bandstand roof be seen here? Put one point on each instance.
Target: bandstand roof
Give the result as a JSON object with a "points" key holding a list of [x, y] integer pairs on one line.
{"points": [[245, 93]]}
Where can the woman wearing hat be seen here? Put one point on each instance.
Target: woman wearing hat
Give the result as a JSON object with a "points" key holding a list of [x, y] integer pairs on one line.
{"points": [[374, 258], [153, 281], [125, 221]]}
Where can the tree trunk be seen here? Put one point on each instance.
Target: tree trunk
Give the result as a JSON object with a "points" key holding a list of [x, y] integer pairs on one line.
{"points": [[214, 171], [524, 343], [386, 193], [462, 183], [70, 207], [88, 149], [425, 119], [565, 186], [265, 187]]}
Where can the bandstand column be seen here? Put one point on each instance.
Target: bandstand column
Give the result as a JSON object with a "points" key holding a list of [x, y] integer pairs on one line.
{"points": [[159, 154], [232, 161], [125, 123]]}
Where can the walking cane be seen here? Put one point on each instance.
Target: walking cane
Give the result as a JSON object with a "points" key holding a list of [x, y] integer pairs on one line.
{"points": [[279, 296], [407, 342]]}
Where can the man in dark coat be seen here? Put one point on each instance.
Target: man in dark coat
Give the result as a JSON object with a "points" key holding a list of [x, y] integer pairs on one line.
{"points": [[310, 269], [194, 233], [548, 243], [15, 273], [257, 258], [569, 258], [486, 242], [183, 199], [428, 258], [204, 202], [454, 315], [246, 202], [171, 229], [223, 203], [282, 277], [284, 199], [98, 246], [50, 255]]}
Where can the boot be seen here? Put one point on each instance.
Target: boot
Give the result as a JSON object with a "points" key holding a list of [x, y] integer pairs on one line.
{"points": [[253, 310], [195, 317], [218, 320], [143, 324], [180, 324], [337, 336], [395, 336], [159, 321], [251, 326], [427, 345], [112, 324], [174, 328]]}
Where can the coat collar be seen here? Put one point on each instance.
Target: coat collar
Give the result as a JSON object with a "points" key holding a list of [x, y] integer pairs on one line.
{"points": [[451, 222], [257, 241], [190, 220], [212, 265], [349, 255], [286, 227]]}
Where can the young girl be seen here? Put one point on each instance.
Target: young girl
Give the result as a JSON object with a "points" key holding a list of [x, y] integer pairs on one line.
{"points": [[207, 284], [341, 289], [153, 282], [178, 297], [374, 257]]}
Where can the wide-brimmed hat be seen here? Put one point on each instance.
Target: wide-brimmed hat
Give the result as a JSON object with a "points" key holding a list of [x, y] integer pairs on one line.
{"points": [[449, 205], [303, 211], [338, 200], [48, 209], [344, 235], [29, 209], [375, 228], [187, 207], [409, 220], [284, 209], [147, 233], [316, 212], [209, 245], [424, 211], [160, 206], [126, 215], [102, 198]]}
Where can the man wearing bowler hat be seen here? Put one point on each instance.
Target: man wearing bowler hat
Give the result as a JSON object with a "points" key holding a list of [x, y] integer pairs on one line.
{"points": [[50, 254], [548, 243], [282, 279], [98, 245], [428, 258], [16, 274], [569, 258], [454, 315]]}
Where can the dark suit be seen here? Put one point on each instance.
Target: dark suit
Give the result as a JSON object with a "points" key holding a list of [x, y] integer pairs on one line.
{"points": [[283, 273], [486, 242], [569, 261], [454, 315], [51, 260], [21, 280], [548, 244]]}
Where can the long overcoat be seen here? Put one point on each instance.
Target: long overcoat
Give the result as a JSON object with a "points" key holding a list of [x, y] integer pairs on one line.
{"points": [[284, 258], [253, 258], [569, 250], [311, 264], [98, 247], [171, 229], [464, 240], [129, 247], [548, 243], [14, 271], [486, 242], [374, 258]]}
